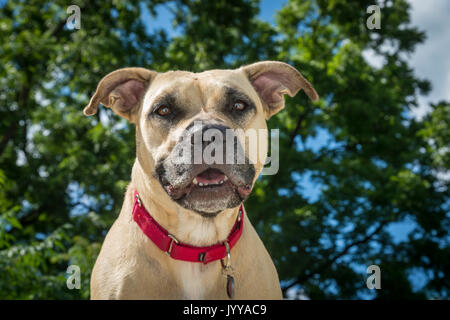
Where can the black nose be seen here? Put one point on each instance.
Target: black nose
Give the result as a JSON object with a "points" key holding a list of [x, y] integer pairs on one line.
{"points": [[202, 136], [213, 143]]}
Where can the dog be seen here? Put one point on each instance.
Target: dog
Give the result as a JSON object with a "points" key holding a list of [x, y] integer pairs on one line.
{"points": [[173, 210]]}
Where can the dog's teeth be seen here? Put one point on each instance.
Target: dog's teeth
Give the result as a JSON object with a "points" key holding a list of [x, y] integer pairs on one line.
{"points": [[225, 179], [201, 184]]}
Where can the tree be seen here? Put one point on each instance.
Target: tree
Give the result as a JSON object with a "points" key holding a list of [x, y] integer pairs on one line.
{"points": [[61, 169], [63, 175]]}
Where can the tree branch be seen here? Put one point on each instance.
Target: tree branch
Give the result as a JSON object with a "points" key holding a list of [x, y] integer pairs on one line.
{"points": [[329, 263], [300, 120], [8, 136]]}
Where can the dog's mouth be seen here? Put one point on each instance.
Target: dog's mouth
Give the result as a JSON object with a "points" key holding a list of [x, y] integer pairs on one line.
{"points": [[211, 179], [209, 190], [214, 178]]}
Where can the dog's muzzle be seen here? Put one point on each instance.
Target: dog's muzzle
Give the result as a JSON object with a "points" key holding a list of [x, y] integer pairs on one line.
{"points": [[207, 170]]}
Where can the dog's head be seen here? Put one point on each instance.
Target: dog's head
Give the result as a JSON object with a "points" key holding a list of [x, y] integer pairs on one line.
{"points": [[194, 130]]}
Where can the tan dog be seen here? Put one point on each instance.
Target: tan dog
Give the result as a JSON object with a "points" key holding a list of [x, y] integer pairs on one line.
{"points": [[164, 106]]}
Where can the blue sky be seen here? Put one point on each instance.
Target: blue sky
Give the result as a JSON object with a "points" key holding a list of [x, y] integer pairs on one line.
{"points": [[268, 9], [163, 19]]}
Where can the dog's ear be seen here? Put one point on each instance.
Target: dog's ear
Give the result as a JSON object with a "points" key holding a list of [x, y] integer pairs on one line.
{"points": [[273, 79], [122, 91]]}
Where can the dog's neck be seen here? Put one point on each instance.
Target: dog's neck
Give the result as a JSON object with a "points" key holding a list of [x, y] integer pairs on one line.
{"points": [[187, 226]]}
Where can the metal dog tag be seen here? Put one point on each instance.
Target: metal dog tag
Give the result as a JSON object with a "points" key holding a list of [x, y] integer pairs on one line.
{"points": [[227, 271], [230, 287]]}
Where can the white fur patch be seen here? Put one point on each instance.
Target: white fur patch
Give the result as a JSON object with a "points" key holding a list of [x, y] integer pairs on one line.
{"points": [[194, 280]]}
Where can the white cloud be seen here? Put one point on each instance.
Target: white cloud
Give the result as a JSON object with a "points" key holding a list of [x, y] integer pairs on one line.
{"points": [[431, 59], [373, 59]]}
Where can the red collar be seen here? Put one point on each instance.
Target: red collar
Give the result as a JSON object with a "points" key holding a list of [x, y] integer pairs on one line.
{"points": [[176, 249]]}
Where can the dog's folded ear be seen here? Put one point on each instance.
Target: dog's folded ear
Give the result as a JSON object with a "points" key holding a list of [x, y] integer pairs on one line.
{"points": [[122, 91], [273, 79]]}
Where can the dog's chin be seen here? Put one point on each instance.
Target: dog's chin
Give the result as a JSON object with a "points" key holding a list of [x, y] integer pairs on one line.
{"points": [[210, 201], [209, 193]]}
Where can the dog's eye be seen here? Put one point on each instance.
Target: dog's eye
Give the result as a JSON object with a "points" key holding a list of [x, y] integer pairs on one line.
{"points": [[163, 110], [239, 106]]}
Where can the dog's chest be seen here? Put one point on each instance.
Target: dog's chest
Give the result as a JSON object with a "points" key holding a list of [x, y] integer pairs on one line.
{"points": [[196, 279]]}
